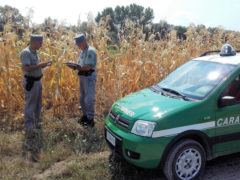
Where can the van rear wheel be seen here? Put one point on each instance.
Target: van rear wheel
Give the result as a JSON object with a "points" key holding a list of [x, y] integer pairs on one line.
{"points": [[185, 161]]}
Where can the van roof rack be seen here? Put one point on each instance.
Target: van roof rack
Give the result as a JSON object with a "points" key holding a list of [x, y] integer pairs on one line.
{"points": [[216, 51], [227, 50], [208, 52]]}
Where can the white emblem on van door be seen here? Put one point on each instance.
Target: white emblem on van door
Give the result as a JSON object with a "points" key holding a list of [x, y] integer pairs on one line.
{"points": [[228, 121], [207, 118]]}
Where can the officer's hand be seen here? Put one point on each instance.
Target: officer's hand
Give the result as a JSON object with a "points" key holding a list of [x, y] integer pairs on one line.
{"points": [[49, 63], [43, 64], [72, 67]]}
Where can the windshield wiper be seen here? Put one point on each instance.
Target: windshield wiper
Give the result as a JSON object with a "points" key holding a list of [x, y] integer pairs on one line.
{"points": [[157, 89], [172, 91]]}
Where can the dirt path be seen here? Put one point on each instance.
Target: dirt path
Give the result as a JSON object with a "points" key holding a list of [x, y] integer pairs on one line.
{"points": [[222, 168], [55, 170]]}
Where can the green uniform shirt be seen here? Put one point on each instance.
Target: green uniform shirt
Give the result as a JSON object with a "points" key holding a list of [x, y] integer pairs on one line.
{"points": [[88, 57], [29, 57]]}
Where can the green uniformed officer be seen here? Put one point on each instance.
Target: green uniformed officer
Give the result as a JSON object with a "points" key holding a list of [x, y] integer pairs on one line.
{"points": [[32, 70], [87, 75]]}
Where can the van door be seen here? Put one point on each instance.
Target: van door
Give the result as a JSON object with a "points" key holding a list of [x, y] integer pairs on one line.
{"points": [[227, 138]]}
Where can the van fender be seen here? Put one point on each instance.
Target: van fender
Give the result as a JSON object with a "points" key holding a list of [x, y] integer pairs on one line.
{"points": [[196, 135]]}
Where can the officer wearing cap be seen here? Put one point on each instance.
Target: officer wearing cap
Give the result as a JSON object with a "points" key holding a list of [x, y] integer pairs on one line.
{"points": [[87, 74], [32, 71]]}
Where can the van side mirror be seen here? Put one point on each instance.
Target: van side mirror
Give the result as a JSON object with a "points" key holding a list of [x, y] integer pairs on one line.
{"points": [[227, 101]]}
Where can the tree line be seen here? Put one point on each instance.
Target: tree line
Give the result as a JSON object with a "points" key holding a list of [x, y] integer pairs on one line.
{"points": [[115, 20]]}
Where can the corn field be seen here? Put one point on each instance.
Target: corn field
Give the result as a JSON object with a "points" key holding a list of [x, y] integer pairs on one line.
{"points": [[135, 65]]}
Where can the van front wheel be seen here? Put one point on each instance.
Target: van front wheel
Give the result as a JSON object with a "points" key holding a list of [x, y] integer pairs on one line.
{"points": [[186, 160]]}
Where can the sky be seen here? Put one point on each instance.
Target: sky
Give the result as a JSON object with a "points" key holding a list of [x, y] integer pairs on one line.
{"points": [[211, 13]]}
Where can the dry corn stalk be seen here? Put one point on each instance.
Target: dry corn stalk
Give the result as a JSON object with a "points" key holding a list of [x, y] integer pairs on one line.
{"points": [[136, 64]]}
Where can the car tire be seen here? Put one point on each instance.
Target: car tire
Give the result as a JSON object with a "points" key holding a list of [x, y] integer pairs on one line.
{"points": [[185, 161]]}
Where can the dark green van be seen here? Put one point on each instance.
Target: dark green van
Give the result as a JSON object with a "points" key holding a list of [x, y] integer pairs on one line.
{"points": [[191, 116]]}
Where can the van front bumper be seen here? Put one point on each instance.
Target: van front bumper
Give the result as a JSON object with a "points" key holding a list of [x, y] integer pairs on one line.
{"points": [[141, 151]]}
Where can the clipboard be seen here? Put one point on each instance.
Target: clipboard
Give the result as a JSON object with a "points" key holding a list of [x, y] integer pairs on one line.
{"points": [[72, 64]]}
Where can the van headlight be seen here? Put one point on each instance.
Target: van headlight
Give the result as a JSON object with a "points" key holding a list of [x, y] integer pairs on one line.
{"points": [[143, 128]]}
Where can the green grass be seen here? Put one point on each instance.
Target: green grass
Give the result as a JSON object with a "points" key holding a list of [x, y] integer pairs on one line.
{"points": [[68, 152]]}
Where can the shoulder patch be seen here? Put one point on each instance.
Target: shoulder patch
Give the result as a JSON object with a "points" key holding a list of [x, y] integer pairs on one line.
{"points": [[89, 56]]}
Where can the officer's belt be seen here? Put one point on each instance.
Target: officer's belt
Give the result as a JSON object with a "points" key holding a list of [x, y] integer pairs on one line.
{"points": [[86, 73], [30, 81], [31, 78]]}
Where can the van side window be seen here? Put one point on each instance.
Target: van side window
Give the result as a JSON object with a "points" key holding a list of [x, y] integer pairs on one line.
{"points": [[233, 89]]}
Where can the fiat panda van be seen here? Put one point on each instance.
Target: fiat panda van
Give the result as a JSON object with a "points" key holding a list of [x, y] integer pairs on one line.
{"points": [[191, 116]]}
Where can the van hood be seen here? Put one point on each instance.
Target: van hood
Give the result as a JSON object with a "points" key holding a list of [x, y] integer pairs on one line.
{"points": [[148, 105]]}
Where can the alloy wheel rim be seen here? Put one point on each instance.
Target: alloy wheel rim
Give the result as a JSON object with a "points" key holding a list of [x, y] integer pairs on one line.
{"points": [[188, 164]]}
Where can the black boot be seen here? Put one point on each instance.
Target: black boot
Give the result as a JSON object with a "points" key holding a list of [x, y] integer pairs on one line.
{"points": [[90, 123], [83, 120]]}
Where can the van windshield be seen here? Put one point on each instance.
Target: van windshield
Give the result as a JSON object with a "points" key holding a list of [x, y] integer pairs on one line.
{"points": [[196, 79]]}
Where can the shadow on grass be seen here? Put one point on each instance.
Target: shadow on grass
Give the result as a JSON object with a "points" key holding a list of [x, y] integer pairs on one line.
{"points": [[89, 141]]}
